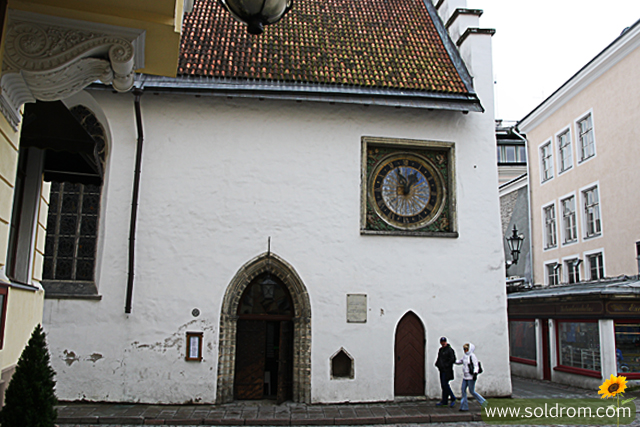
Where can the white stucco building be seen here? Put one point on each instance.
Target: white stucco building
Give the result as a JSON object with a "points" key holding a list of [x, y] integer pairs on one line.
{"points": [[307, 227]]}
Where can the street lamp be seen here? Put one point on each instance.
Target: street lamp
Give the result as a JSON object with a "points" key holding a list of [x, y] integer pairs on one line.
{"points": [[515, 243], [257, 13]]}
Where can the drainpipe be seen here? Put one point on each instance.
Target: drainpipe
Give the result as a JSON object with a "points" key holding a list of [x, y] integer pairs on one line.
{"points": [[137, 92]]}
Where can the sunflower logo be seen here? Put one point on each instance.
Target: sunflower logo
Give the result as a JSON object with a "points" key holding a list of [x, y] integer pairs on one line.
{"points": [[613, 386]]}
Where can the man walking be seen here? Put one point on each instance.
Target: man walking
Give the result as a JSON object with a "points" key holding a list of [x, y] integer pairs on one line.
{"points": [[444, 363]]}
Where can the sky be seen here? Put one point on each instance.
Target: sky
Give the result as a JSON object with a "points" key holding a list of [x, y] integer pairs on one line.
{"points": [[540, 44]]}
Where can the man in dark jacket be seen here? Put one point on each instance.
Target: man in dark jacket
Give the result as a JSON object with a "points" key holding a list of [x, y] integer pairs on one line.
{"points": [[444, 363]]}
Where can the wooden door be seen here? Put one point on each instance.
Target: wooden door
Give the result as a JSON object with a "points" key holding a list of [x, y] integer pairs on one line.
{"points": [[546, 358], [409, 377], [285, 362], [250, 359]]}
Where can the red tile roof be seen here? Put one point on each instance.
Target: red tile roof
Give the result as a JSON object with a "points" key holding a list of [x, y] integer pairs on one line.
{"points": [[391, 44]]}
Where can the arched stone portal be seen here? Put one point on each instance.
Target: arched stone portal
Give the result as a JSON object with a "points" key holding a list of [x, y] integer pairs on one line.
{"points": [[266, 263]]}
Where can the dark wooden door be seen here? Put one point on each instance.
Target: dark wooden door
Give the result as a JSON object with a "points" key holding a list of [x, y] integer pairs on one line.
{"points": [[409, 354], [250, 359], [546, 358], [285, 362]]}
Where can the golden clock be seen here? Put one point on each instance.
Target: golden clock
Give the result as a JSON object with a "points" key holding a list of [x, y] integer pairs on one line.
{"points": [[406, 191]]}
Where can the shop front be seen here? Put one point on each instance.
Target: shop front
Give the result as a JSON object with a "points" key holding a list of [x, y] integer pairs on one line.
{"points": [[576, 334]]}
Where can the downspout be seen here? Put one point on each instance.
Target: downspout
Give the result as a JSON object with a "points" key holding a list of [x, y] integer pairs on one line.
{"points": [[137, 92]]}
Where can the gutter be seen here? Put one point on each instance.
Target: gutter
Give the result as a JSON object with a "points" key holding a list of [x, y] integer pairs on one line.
{"points": [[137, 92]]}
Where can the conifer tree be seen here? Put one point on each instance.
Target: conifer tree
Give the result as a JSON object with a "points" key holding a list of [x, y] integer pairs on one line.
{"points": [[30, 397]]}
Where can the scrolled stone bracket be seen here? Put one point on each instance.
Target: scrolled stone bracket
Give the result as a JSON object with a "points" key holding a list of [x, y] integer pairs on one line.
{"points": [[49, 62]]}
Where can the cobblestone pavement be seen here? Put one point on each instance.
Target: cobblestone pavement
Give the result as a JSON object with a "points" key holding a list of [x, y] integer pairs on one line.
{"points": [[264, 413]]}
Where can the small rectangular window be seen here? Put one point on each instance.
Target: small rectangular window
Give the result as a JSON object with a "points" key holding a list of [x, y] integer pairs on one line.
{"points": [[591, 202], [573, 271], [550, 227], [564, 151], [569, 219], [585, 136], [553, 274], [596, 266], [546, 161]]}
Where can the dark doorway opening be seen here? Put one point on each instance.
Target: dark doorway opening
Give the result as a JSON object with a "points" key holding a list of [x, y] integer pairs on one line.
{"points": [[264, 342]]}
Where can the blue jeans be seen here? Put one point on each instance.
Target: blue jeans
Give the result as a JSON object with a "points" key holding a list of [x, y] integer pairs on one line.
{"points": [[446, 389], [464, 403]]}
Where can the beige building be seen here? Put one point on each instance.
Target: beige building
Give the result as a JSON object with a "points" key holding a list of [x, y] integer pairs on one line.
{"points": [[50, 52], [582, 146]]}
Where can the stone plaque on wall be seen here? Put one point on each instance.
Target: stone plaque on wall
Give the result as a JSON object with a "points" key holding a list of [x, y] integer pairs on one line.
{"points": [[356, 308]]}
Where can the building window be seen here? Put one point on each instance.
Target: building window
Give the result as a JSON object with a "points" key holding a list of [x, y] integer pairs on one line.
{"points": [[596, 266], [550, 227], [72, 224], [579, 345], [572, 267], [627, 343], [585, 136], [593, 226], [522, 340], [564, 151], [70, 250], [512, 154], [570, 234], [546, 161], [342, 365], [553, 275]]}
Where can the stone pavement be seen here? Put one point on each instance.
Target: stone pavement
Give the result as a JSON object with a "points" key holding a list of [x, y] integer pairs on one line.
{"points": [[265, 413]]}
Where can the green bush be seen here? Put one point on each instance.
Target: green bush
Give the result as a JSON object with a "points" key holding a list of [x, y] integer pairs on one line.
{"points": [[30, 398]]}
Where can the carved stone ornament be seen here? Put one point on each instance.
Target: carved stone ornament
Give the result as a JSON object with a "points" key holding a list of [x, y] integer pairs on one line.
{"points": [[48, 63]]}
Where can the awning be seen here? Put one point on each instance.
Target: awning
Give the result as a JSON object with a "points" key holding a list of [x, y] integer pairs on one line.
{"points": [[71, 153]]}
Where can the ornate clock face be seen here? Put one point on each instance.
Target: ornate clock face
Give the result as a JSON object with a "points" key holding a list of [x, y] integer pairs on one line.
{"points": [[406, 190]]}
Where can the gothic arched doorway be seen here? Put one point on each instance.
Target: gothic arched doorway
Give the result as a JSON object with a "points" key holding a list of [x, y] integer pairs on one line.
{"points": [[266, 301], [409, 378]]}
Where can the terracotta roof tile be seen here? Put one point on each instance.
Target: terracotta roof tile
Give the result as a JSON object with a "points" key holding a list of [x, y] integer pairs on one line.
{"points": [[369, 43]]}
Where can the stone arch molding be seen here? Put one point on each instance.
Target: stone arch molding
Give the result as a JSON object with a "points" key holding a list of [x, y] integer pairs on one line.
{"points": [[49, 59], [267, 262]]}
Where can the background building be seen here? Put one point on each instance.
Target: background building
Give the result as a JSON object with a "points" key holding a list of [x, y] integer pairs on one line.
{"points": [[585, 236], [514, 201]]}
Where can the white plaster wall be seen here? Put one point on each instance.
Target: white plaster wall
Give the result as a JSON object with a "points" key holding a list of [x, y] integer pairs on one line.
{"points": [[219, 177]]}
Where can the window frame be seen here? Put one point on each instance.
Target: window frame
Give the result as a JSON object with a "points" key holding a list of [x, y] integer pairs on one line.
{"points": [[532, 362], [571, 269], [520, 154], [546, 160], [564, 149], [579, 137], [586, 221], [574, 218], [587, 258], [628, 375], [550, 237], [555, 266], [571, 369]]}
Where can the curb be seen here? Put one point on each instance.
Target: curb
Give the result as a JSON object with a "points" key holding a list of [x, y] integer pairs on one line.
{"points": [[290, 421]]}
